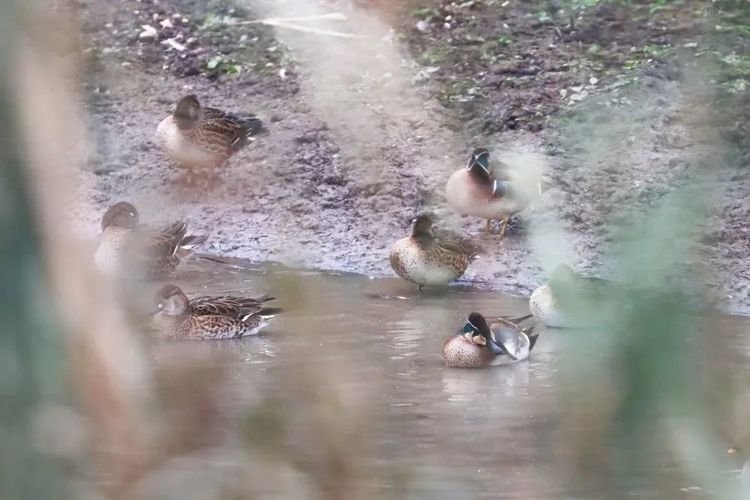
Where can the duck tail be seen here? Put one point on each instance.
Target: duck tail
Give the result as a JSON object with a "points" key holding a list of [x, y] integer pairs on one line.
{"points": [[261, 299], [532, 333], [253, 126], [528, 330], [266, 313], [189, 242], [519, 319], [533, 337], [501, 189], [270, 312], [249, 128]]}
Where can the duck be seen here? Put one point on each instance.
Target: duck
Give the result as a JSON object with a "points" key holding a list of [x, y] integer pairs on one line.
{"points": [[476, 190], [490, 341], [155, 253], [431, 257], [202, 138], [545, 301], [208, 317]]}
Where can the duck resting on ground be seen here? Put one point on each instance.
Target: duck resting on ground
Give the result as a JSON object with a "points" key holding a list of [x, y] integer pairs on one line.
{"points": [[476, 190], [489, 341], [125, 247], [430, 256], [547, 305], [201, 138], [208, 318]]}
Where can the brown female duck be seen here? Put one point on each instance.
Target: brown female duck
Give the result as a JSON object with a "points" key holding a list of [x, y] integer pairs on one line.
{"points": [[126, 247], [209, 317], [202, 138], [430, 256]]}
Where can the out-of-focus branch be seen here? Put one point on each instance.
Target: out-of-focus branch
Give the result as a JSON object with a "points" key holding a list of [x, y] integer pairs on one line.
{"points": [[110, 375]]}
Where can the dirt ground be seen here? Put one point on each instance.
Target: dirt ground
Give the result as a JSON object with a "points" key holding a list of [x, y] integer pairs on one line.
{"points": [[621, 106]]}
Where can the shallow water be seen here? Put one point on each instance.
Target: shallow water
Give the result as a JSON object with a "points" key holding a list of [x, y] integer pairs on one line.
{"points": [[360, 358]]}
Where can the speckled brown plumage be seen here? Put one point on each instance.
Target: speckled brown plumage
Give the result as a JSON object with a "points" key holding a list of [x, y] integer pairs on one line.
{"points": [[458, 352], [204, 138], [484, 342], [430, 256], [127, 247], [159, 252], [226, 305], [208, 318]]}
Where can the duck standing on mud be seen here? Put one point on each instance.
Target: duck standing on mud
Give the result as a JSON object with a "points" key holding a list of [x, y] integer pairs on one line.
{"points": [[208, 318], [430, 256], [125, 247], [202, 139], [484, 342], [476, 190]]}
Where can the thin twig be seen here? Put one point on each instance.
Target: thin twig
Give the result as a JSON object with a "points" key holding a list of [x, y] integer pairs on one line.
{"points": [[334, 16], [308, 29]]}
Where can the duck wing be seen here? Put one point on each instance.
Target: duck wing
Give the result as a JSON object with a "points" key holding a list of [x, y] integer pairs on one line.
{"points": [[162, 243], [493, 186], [227, 305], [456, 243], [513, 342], [237, 129]]}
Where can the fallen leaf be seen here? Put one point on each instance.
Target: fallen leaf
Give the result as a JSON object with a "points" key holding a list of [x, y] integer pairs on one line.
{"points": [[172, 43], [148, 32]]}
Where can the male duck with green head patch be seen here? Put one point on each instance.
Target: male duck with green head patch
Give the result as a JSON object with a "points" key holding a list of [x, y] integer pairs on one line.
{"points": [[476, 190], [491, 341]]}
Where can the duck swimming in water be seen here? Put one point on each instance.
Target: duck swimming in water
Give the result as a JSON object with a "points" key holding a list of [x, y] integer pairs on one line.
{"points": [[209, 318], [491, 341]]}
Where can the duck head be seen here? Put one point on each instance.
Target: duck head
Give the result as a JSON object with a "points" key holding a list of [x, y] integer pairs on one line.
{"points": [[479, 165], [121, 215], [422, 230], [477, 326], [187, 112], [171, 300]]}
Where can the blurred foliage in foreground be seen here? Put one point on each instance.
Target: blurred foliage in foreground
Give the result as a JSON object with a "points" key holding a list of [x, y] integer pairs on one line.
{"points": [[645, 387], [638, 385], [31, 371]]}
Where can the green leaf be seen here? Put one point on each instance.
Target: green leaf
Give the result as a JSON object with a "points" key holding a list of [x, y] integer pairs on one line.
{"points": [[213, 62]]}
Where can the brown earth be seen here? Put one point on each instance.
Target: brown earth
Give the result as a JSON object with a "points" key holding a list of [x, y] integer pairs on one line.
{"points": [[621, 107]]}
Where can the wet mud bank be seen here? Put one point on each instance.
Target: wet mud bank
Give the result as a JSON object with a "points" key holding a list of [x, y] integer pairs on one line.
{"points": [[365, 127]]}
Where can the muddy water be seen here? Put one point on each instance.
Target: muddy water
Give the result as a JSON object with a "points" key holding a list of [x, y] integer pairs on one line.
{"points": [[421, 430]]}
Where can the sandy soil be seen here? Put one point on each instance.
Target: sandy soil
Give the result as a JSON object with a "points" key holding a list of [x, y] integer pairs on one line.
{"points": [[365, 132]]}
